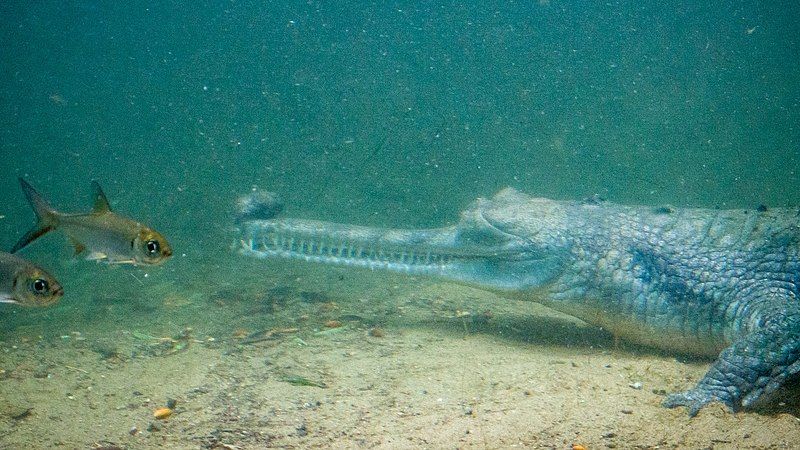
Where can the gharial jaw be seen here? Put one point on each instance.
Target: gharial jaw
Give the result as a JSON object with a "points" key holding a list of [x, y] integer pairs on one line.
{"points": [[482, 255]]}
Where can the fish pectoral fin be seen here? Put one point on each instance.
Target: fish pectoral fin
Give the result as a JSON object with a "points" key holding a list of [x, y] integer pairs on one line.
{"points": [[8, 299], [79, 247], [95, 256], [101, 204], [122, 261]]}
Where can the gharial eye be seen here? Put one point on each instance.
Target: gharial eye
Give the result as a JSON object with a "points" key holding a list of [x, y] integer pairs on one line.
{"points": [[152, 247], [40, 286]]}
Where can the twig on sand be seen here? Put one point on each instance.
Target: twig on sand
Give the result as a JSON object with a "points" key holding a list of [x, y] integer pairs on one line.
{"points": [[77, 368]]}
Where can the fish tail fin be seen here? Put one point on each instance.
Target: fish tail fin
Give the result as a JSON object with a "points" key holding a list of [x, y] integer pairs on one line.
{"points": [[47, 217]]}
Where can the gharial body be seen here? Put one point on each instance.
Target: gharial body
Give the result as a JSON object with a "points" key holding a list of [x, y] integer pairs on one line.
{"points": [[698, 281]]}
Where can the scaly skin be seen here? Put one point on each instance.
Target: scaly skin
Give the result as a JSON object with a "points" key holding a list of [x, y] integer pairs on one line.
{"points": [[696, 281]]}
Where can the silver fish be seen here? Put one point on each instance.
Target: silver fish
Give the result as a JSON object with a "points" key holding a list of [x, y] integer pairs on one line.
{"points": [[23, 283], [108, 236]]}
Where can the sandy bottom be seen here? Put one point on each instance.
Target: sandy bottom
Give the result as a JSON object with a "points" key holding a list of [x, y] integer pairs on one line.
{"points": [[310, 361]]}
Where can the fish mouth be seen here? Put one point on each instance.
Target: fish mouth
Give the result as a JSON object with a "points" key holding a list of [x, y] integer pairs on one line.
{"points": [[55, 295]]}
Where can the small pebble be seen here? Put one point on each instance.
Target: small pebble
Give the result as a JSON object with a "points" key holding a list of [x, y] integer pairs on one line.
{"points": [[377, 332], [162, 413], [17, 412]]}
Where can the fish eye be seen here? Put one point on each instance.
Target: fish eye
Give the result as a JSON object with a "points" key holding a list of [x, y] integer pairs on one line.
{"points": [[152, 247], [40, 286]]}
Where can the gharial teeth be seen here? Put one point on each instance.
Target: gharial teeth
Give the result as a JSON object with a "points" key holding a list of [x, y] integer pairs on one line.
{"points": [[343, 252]]}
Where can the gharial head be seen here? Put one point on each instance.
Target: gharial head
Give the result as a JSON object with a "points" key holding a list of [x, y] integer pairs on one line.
{"points": [[507, 247]]}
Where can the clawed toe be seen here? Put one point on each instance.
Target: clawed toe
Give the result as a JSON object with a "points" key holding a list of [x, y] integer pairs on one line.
{"points": [[694, 400], [685, 399]]}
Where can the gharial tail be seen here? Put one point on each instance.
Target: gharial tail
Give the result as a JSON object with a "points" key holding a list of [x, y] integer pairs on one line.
{"points": [[47, 217]]}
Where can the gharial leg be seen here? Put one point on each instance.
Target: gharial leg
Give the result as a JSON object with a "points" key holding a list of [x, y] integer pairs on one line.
{"points": [[754, 366]]}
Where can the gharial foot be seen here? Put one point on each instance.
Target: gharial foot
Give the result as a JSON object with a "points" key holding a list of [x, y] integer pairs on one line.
{"points": [[695, 399]]}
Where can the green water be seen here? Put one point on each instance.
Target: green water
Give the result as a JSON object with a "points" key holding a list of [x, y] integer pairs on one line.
{"points": [[391, 114]]}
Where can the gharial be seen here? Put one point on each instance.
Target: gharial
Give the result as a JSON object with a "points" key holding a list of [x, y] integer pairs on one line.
{"points": [[694, 281]]}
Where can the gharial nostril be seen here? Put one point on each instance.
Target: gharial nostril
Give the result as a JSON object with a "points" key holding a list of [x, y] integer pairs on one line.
{"points": [[258, 205]]}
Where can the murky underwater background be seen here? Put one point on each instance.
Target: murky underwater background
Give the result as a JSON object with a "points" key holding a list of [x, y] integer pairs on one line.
{"points": [[389, 114]]}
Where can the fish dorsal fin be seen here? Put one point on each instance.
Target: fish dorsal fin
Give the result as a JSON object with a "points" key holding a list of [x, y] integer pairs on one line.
{"points": [[100, 201]]}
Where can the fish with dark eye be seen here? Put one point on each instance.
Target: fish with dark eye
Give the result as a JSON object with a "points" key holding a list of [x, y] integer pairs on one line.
{"points": [[106, 236], [23, 283]]}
